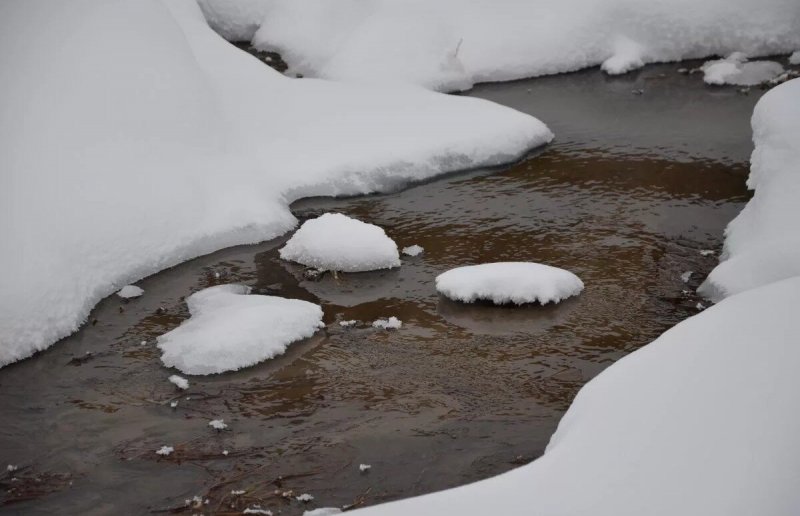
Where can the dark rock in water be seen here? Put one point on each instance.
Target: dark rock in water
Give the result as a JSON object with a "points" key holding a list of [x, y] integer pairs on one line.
{"points": [[313, 274]]}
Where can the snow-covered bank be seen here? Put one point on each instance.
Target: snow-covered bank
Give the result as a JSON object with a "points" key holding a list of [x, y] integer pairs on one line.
{"points": [[134, 138], [762, 244], [702, 421], [451, 44]]}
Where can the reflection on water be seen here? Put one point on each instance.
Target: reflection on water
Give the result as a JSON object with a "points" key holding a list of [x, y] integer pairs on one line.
{"points": [[627, 197]]}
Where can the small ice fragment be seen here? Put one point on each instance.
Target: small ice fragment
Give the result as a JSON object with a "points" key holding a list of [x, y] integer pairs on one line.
{"points": [[165, 450], [130, 291], [216, 275], [225, 452], [706, 252], [257, 510], [11, 468], [392, 323], [238, 492], [305, 498], [364, 467], [413, 250], [348, 324], [179, 382], [700, 306], [795, 58], [686, 275], [173, 404], [218, 424]]}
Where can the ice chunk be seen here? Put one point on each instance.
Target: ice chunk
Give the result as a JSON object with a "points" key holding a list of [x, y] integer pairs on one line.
{"points": [[413, 250], [179, 382], [165, 450], [509, 282], [735, 69], [305, 498], [686, 276], [257, 510], [337, 242], [230, 329], [218, 424], [795, 58], [130, 291], [392, 323], [348, 324], [364, 467]]}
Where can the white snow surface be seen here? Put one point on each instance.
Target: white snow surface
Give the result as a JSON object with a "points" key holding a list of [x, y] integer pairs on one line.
{"points": [[673, 428], [130, 291], [230, 329], [736, 69], [509, 282], [323, 511], [336, 242], [165, 143], [451, 44], [762, 244]]}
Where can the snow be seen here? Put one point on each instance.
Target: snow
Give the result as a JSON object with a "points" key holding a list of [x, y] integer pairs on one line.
{"points": [[323, 511], [413, 250], [164, 451], [707, 252], [509, 282], [762, 243], [130, 291], [686, 276], [451, 44], [184, 145], [392, 323], [11, 468], [336, 242], [230, 329], [364, 467], [348, 324], [305, 498], [217, 424], [735, 69], [701, 421], [257, 510], [795, 58], [238, 492], [179, 382]]}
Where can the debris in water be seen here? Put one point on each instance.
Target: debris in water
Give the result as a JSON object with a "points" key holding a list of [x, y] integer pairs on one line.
{"points": [[256, 509], [348, 324], [305, 498]]}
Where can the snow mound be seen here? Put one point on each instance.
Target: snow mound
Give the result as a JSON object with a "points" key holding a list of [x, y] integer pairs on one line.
{"points": [[230, 329], [450, 44], [130, 291], [336, 242], [794, 59], [392, 323], [509, 282], [762, 244], [735, 69], [231, 151], [413, 250]]}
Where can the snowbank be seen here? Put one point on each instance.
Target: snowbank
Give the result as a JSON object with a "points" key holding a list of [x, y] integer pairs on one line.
{"points": [[336, 242], [736, 69], [509, 282], [230, 329], [451, 44], [702, 421], [164, 142], [762, 244]]}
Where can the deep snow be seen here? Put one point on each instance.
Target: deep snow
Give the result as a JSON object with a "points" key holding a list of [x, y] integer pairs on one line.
{"points": [[451, 44], [509, 282], [336, 242], [231, 329], [165, 142]]}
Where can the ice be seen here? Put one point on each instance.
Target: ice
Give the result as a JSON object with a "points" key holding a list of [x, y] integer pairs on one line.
{"points": [[323, 511], [451, 44], [795, 58], [762, 243], [348, 324], [130, 291], [257, 510], [364, 467], [509, 282], [336, 242], [686, 276], [735, 69], [305, 498], [238, 492], [413, 250], [164, 451], [230, 329], [673, 428], [230, 143], [392, 323], [218, 424], [179, 382], [707, 252]]}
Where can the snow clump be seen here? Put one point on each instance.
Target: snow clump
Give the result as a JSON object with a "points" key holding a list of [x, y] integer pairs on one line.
{"points": [[179, 381], [130, 291], [392, 323], [413, 250]]}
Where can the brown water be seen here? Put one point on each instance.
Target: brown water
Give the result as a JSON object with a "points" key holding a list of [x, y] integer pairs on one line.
{"points": [[634, 187]]}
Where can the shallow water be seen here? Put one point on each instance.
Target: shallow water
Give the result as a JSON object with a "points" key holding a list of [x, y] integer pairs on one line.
{"points": [[634, 187]]}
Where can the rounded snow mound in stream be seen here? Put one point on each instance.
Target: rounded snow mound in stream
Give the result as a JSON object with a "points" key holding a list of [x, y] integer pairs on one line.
{"points": [[336, 242], [230, 329], [509, 282]]}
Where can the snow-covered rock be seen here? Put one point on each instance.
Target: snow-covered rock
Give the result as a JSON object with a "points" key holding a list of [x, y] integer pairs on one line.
{"points": [[509, 282], [230, 329], [762, 244], [336, 242], [180, 382], [392, 323], [450, 44], [228, 141], [736, 69], [413, 250], [130, 291], [794, 59], [670, 429]]}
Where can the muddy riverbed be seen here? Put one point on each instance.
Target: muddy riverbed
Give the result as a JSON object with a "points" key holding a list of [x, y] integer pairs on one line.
{"points": [[645, 173]]}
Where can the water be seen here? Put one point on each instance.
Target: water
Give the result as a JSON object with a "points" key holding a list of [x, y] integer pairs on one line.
{"points": [[634, 187]]}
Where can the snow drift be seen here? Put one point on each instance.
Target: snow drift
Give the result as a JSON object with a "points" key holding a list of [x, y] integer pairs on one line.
{"points": [[451, 44], [133, 138]]}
